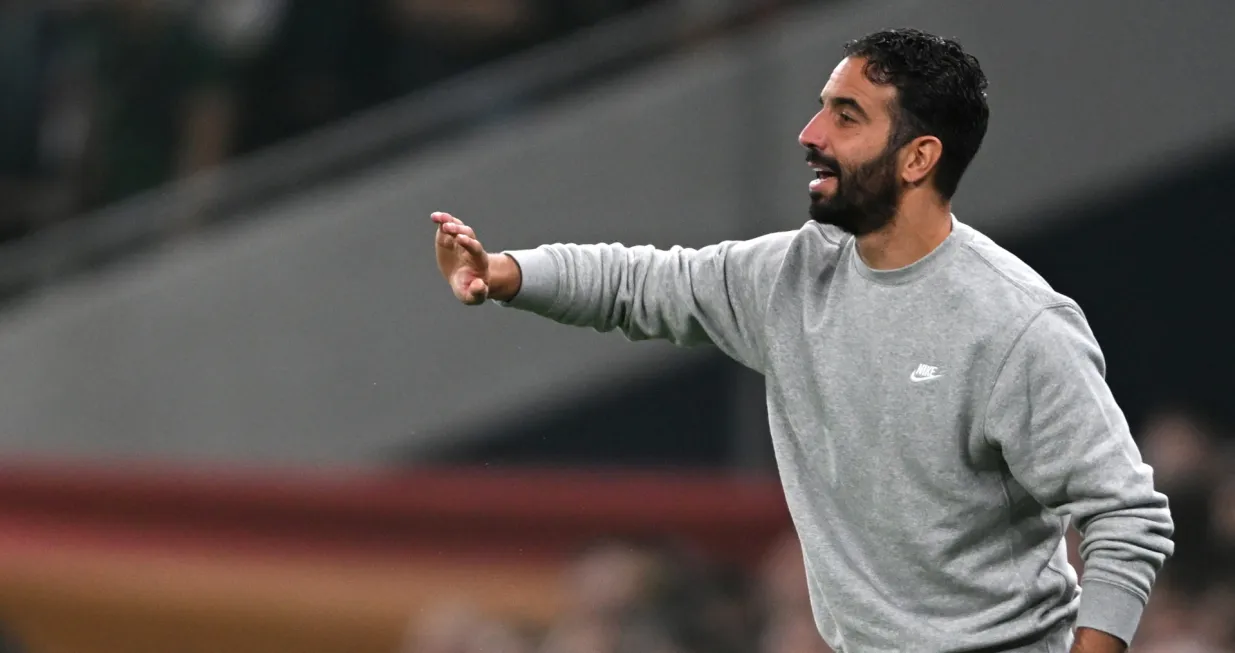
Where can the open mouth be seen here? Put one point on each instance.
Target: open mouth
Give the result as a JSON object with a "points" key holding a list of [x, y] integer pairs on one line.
{"points": [[823, 174], [823, 171]]}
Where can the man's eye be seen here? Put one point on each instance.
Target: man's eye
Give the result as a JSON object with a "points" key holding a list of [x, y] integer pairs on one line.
{"points": [[844, 117]]}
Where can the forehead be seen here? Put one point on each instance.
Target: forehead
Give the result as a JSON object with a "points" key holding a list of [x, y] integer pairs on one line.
{"points": [[848, 80]]}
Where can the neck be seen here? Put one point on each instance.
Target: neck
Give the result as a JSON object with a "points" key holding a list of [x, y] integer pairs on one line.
{"points": [[915, 232]]}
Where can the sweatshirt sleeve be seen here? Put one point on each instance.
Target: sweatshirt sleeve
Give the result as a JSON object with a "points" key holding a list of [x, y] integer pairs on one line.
{"points": [[714, 295], [1066, 441]]}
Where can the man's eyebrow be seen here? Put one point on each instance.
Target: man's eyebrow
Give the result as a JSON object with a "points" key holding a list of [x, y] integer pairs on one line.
{"points": [[846, 102]]}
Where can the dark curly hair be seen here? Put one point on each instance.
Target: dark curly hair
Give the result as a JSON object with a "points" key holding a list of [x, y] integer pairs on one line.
{"points": [[940, 92]]}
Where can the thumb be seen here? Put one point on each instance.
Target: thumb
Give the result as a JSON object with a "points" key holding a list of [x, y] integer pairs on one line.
{"points": [[477, 291]]}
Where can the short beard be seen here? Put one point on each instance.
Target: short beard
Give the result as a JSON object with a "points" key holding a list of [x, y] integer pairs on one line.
{"points": [[866, 197]]}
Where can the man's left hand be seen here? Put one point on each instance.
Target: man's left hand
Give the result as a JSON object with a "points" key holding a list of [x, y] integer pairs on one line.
{"points": [[1089, 640]]}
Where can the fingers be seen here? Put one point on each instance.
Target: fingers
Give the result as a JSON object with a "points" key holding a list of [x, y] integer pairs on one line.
{"points": [[457, 228], [449, 227], [470, 245], [444, 218]]}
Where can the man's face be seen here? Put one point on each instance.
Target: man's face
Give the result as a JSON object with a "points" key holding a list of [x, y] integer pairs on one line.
{"points": [[857, 186]]}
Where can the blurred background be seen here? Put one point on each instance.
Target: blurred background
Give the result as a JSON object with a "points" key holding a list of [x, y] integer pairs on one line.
{"points": [[239, 410]]}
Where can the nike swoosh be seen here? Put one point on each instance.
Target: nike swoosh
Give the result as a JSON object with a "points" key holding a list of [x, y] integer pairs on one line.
{"points": [[918, 379]]}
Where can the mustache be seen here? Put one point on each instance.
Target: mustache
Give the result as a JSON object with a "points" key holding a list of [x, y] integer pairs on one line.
{"points": [[816, 158]]}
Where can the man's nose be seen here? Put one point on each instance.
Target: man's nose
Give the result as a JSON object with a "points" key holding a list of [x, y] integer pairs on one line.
{"points": [[813, 136]]}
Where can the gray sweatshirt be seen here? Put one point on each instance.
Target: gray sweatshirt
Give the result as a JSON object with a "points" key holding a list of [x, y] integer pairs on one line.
{"points": [[935, 428]]}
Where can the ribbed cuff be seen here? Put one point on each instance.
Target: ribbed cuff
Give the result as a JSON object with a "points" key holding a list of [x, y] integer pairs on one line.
{"points": [[1110, 609], [539, 284]]}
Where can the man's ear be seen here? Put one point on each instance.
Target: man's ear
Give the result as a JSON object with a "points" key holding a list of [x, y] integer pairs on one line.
{"points": [[919, 158]]}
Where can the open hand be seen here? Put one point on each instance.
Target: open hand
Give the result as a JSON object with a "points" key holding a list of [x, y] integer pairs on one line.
{"points": [[461, 259]]}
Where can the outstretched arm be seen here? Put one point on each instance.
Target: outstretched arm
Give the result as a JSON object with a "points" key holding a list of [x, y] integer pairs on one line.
{"points": [[714, 295]]}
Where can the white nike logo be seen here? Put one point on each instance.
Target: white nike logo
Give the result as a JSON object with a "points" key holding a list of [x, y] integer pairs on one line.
{"points": [[924, 373]]}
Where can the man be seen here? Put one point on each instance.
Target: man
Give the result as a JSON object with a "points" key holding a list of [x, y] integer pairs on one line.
{"points": [[938, 411]]}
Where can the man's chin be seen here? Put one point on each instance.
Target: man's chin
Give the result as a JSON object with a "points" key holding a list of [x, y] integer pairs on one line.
{"points": [[849, 220], [823, 211], [821, 207]]}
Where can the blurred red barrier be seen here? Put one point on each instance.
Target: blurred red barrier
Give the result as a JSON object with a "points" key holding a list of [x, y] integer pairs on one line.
{"points": [[527, 514]]}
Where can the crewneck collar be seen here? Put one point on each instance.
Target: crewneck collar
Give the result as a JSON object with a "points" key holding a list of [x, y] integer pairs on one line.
{"points": [[918, 268]]}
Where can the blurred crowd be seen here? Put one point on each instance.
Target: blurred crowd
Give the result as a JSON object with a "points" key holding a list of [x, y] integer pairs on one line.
{"points": [[102, 99], [639, 597], [1193, 606], [628, 597]]}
